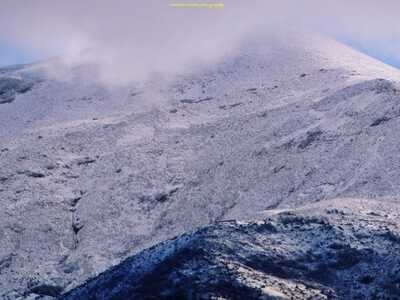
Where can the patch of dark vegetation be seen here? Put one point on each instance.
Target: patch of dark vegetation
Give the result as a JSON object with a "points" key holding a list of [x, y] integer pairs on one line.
{"points": [[51, 166], [154, 198], [260, 153], [366, 279], [378, 86], [3, 179], [391, 236], [74, 199], [161, 197], [311, 137], [252, 90], [77, 224], [392, 286], [32, 173], [380, 121], [5, 262], [337, 246], [47, 290], [10, 87], [84, 161], [266, 227], [322, 273], [384, 86], [287, 145], [335, 211], [195, 101], [269, 266], [163, 281], [69, 268], [226, 107], [278, 169], [348, 257], [289, 218], [274, 205], [263, 114], [284, 269]]}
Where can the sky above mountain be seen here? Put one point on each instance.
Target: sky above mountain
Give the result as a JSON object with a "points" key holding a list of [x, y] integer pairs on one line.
{"points": [[131, 40], [11, 54]]}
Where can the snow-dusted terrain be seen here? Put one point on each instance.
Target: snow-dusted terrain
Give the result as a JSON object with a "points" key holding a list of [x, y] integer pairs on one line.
{"points": [[341, 249], [91, 175]]}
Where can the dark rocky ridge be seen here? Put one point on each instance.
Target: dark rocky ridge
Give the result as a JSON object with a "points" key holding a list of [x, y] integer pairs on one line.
{"points": [[10, 87], [344, 249]]}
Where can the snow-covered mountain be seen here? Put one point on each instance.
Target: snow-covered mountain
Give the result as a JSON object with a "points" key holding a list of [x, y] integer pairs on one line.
{"points": [[90, 175]]}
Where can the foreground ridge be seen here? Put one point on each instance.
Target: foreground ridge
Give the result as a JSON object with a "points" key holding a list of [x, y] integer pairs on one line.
{"points": [[344, 249]]}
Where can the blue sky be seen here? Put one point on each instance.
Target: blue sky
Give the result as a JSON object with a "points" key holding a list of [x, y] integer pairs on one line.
{"points": [[11, 55], [381, 50]]}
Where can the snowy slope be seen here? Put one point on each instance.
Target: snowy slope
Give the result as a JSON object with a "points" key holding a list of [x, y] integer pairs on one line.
{"points": [[91, 175]]}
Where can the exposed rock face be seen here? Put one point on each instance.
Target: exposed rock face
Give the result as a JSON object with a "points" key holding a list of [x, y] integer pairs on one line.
{"points": [[340, 249], [10, 87], [90, 175]]}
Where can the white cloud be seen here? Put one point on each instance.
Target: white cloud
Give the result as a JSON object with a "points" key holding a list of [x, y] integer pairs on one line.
{"points": [[131, 40]]}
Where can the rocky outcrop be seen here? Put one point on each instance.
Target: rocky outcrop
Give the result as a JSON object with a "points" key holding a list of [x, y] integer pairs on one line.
{"points": [[10, 87], [338, 250]]}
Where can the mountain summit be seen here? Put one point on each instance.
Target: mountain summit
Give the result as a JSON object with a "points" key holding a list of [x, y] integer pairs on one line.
{"points": [[91, 176]]}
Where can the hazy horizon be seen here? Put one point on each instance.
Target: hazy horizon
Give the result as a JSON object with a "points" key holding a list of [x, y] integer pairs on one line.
{"points": [[134, 40]]}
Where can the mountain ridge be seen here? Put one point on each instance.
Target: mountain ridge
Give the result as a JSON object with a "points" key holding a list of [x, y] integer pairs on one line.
{"points": [[104, 173], [300, 254]]}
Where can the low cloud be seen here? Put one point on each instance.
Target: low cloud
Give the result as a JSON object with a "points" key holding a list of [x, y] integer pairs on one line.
{"points": [[130, 40]]}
